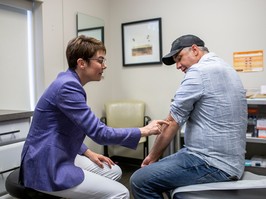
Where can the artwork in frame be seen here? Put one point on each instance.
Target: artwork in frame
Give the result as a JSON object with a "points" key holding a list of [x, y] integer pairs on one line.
{"points": [[96, 32], [142, 42]]}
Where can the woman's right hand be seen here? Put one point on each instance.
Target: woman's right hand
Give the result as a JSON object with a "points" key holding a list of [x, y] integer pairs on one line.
{"points": [[153, 128]]}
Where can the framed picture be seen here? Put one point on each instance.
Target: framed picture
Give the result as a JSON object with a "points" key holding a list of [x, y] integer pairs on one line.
{"points": [[97, 32], [142, 42]]}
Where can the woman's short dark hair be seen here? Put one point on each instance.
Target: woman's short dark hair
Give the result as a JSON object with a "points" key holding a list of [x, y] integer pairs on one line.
{"points": [[82, 47]]}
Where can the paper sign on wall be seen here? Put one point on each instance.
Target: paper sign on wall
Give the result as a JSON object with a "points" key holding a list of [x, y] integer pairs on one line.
{"points": [[248, 61]]}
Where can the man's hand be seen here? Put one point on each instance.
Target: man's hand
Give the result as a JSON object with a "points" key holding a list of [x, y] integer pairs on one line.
{"points": [[147, 161], [98, 158]]}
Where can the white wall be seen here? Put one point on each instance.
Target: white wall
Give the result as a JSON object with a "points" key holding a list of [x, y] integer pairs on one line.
{"points": [[226, 26]]}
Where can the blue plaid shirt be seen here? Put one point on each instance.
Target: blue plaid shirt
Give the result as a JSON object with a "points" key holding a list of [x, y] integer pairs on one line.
{"points": [[211, 101]]}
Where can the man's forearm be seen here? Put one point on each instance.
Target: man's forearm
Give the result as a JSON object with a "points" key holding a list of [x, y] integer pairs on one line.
{"points": [[163, 140]]}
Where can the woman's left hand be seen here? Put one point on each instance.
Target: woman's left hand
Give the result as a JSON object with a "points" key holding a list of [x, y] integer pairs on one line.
{"points": [[98, 158]]}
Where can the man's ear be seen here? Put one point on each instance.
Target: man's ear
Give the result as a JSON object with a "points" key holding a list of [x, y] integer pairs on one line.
{"points": [[195, 49]]}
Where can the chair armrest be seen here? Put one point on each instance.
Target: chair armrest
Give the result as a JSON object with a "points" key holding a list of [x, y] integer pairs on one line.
{"points": [[147, 119], [103, 119]]}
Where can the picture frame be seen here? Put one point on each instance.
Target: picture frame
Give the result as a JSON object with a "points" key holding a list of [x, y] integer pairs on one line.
{"points": [[96, 32], [142, 42]]}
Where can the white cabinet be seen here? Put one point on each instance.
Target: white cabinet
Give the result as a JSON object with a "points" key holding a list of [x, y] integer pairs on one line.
{"points": [[14, 127], [13, 131]]}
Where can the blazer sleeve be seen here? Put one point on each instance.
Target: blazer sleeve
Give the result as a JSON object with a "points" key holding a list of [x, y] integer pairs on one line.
{"points": [[72, 102], [82, 149]]}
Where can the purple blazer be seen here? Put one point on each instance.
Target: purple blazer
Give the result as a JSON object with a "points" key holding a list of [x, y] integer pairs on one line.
{"points": [[60, 123]]}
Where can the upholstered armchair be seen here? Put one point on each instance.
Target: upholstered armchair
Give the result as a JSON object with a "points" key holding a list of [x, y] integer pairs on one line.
{"points": [[126, 114]]}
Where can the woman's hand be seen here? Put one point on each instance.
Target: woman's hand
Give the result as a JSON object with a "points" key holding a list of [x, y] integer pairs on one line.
{"points": [[153, 128], [98, 158]]}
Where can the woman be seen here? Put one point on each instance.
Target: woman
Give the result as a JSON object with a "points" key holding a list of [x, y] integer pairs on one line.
{"points": [[54, 160]]}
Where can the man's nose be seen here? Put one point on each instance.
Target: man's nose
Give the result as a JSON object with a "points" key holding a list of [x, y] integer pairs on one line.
{"points": [[178, 65]]}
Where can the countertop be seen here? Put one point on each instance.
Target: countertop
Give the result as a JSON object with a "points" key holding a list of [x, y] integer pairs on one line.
{"points": [[6, 115]]}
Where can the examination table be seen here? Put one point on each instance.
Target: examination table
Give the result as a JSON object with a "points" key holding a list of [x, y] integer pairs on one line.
{"points": [[250, 186]]}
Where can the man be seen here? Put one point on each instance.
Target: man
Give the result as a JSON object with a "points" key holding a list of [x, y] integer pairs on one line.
{"points": [[211, 101], [54, 160]]}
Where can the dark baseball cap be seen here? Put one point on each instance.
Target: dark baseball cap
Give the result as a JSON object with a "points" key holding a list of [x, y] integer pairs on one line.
{"points": [[180, 43]]}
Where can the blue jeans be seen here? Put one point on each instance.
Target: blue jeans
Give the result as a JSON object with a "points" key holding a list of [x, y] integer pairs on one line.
{"points": [[176, 170]]}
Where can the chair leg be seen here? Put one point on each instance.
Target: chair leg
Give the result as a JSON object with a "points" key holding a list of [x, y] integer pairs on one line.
{"points": [[105, 151], [146, 149]]}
